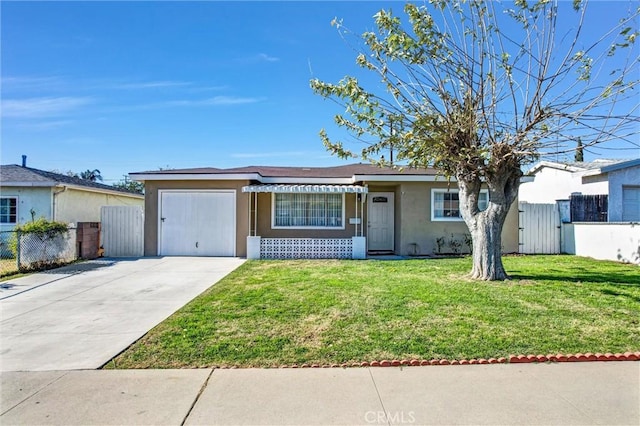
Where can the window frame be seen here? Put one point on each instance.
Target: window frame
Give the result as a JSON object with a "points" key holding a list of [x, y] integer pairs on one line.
{"points": [[17, 216], [435, 191], [624, 214], [326, 228]]}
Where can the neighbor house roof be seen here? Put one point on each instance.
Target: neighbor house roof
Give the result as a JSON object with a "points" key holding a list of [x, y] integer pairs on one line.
{"points": [[270, 174], [618, 166], [576, 166], [14, 175]]}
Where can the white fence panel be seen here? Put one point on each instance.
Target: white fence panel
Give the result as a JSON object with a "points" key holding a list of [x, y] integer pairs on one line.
{"points": [[539, 228], [122, 231], [603, 240]]}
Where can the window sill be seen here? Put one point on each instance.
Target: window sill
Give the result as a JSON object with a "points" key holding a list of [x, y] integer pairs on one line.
{"points": [[447, 219]]}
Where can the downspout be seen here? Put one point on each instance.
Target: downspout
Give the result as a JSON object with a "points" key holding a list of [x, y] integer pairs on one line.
{"points": [[53, 206]]}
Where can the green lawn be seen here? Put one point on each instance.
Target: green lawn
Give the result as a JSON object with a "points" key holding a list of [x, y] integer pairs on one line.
{"points": [[269, 313], [8, 267]]}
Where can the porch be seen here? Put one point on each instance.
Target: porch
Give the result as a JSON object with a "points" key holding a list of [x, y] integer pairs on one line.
{"points": [[300, 226]]}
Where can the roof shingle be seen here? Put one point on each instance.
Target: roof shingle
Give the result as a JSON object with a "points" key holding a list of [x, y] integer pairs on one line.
{"points": [[12, 173], [345, 171]]}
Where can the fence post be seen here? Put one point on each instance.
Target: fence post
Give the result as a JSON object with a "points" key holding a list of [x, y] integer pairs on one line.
{"points": [[18, 249]]}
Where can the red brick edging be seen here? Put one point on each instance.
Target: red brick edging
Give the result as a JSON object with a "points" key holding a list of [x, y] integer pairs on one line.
{"points": [[513, 359]]}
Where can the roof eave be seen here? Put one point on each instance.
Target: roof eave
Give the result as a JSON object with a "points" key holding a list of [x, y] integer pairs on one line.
{"points": [[552, 165], [100, 190], [622, 165], [308, 180], [141, 177], [29, 184], [400, 178]]}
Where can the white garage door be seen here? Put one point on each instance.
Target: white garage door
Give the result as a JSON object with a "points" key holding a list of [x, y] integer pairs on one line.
{"points": [[197, 223]]}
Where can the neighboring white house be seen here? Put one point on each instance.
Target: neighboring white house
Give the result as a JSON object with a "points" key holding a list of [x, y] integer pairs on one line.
{"points": [[623, 188], [619, 179], [27, 193]]}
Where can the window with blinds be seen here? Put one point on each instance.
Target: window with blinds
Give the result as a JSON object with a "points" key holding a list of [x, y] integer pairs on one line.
{"points": [[308, 210], [445, 204]]}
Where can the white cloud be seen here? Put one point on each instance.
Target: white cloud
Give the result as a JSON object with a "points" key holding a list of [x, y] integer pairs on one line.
{"points": [[31, 83], [44, 125], [41, 107], [152, 85], [208, 89], [214, 101], [267, 58], [255, 59], [231, 100]]}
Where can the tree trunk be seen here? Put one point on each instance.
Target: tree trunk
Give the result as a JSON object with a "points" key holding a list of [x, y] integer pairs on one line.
{"points": [[486, 226], [487, 248]]}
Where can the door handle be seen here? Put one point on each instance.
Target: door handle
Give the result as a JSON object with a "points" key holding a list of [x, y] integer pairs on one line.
{"points": [[196, 244]]}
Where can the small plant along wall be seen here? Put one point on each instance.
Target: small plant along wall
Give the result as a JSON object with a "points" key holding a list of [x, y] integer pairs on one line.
{"points": [[454, 245]]}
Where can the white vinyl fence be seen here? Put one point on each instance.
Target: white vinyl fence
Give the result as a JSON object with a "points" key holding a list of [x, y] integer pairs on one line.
{"points": [[122, 231], [539, 228]]}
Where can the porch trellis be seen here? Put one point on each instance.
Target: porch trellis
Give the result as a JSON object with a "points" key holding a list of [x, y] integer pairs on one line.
{"points": [[315, 246]]}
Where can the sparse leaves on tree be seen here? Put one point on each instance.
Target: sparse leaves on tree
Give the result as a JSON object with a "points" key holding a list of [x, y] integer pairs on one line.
{"points": [[478, 103], [130, 185], [91, 175]]}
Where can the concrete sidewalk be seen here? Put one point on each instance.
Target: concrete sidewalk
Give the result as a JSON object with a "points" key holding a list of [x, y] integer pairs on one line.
{"points": [[80, 316], [590, 393]]}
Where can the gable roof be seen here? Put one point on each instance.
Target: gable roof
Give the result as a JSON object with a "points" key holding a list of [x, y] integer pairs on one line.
{"points": [[14, 175], [273, 174]]}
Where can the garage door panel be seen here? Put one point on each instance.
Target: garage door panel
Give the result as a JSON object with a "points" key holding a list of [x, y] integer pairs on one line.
{"points": [[178, 238], [198, 223]]}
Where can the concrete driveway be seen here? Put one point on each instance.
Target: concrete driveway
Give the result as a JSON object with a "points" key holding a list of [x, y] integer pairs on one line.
{"points": [[80, 316]]}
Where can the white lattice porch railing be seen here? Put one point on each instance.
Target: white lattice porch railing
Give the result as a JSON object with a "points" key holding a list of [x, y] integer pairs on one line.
{"points": [[306, 248]]}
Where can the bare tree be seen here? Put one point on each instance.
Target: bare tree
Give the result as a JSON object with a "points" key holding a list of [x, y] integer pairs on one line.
{"points": [[478, 91]]}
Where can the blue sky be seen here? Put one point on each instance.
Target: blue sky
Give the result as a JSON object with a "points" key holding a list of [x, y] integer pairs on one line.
{"points": [[133, 86]]}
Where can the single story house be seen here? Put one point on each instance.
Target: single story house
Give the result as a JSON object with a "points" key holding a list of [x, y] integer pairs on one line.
{"points": [[320, 212], [27, 193], [619, 179]]}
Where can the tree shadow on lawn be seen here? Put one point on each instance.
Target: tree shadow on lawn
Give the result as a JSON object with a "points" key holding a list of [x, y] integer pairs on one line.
{"points": [[626, 278]]}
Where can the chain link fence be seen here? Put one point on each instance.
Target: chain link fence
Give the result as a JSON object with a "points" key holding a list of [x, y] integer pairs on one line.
{"points": [[32, 251]]}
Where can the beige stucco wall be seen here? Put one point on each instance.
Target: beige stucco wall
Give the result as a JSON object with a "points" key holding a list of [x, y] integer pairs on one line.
{"points": [[73, 206], [152, 207], [416, 232], [412, 217], [38, 199], [265, 213]]}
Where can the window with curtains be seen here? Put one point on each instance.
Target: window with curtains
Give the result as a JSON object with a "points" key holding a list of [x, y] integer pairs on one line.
{"points": [[8, 210], [308, 210], [445, 204]]}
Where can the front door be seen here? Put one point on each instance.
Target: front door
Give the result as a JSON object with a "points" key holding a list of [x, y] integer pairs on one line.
{"points": [[380, 221]]}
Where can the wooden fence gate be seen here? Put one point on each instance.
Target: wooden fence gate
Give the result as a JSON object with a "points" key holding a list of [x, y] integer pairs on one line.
{"points": [[122, 231], [589, 208], [539, 228]]}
